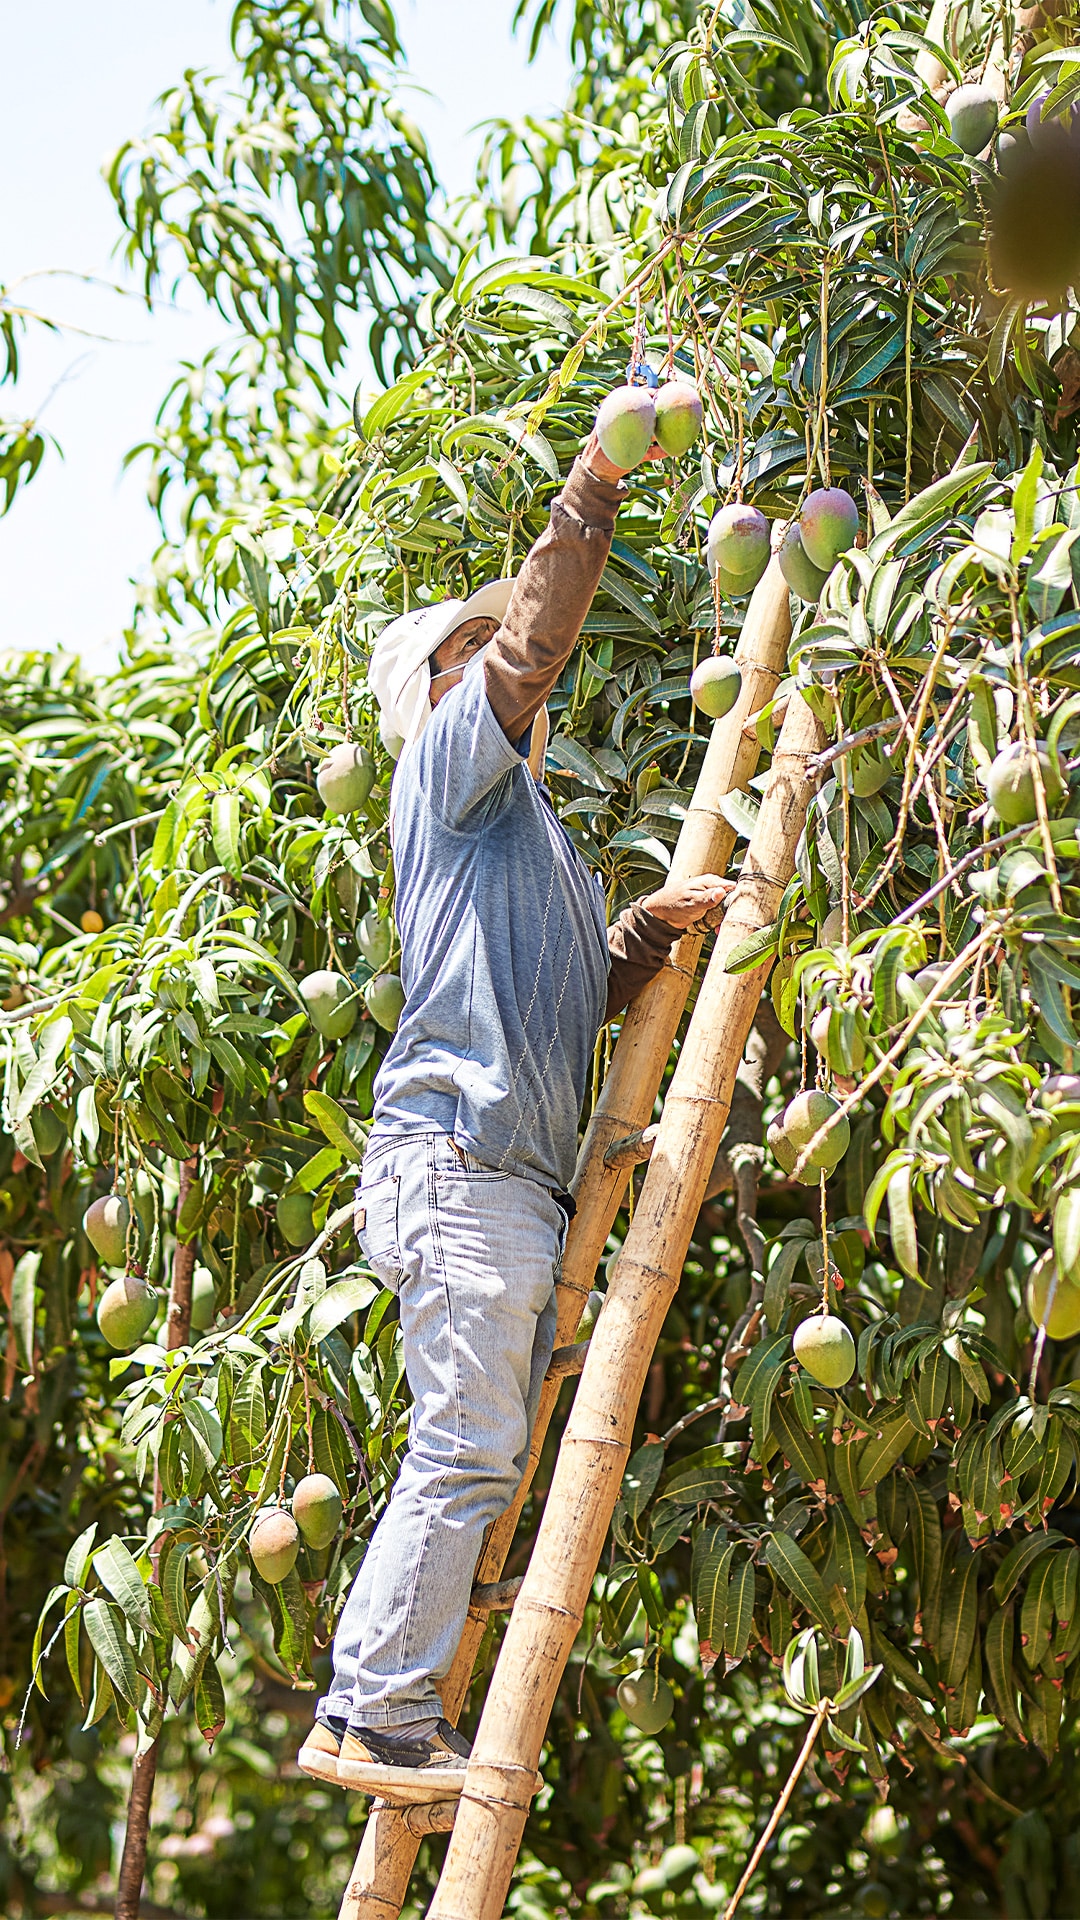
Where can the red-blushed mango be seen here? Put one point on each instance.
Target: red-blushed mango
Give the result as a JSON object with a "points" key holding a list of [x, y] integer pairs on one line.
{"points": [[973, 116], [316, 1505], [105, 1224], [384, 997], [715, 685], [626, 425], [294, 1214], [805, 580], [1010, 783], [647, 1700], [1052, 1301], [91, 921], [345, 778], [823, 1345], [737, 544], [330, 1000], [1050, 132], [828, 523], [274, 1543], [125, 1311], [678, 416], [375, 937]]}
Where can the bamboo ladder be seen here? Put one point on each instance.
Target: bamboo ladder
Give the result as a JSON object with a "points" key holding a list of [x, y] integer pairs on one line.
{"points": [[549, 1610], [380, 1877]]}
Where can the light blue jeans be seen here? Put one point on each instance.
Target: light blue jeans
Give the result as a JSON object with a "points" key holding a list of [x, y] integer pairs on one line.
{"points": [[473, 1256]]}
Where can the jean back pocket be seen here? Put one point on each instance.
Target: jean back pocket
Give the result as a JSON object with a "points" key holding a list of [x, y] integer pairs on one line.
{"points": [[377, 1228]]}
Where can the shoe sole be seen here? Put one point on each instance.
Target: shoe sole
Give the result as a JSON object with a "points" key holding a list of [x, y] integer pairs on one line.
{"points": [[401, 1786], [319, 1766]]}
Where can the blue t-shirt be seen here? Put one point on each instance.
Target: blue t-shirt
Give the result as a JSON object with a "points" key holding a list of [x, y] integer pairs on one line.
{"points": [[504, 951]]}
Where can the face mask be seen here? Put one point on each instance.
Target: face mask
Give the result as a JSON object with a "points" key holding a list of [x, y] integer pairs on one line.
{"points": [[460, 668]]}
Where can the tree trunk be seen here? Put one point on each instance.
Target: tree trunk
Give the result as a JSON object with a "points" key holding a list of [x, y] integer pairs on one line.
{"points": [[144, 1766], [550, 1609], [380, 1877]]}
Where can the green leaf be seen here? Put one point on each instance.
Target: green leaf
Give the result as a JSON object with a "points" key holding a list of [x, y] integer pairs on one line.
{"points": [[225, 831], [709, 1581], [998, 1650], [101, 1697], [643, 1470], [202, 1423], [739, 1614], [785, 1258], [54, 1594], [77, 1563], [334, 1122], [247, 1409], [883, 1449], [118, 1572], [802, 1450], [926, 1540], [394, 402], [927, 508], [902, 1671], [800, 1576], [174, 1590], [210, 1711], [902, 1232], [72, 1627], [1024, 497], [23, 1283], [1037, 1612], [959, 1619], [106, 1636], [337, 1303]]}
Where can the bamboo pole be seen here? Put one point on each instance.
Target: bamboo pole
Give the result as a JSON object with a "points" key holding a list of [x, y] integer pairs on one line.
{"points": [[380, 1876], [550, 1608]]}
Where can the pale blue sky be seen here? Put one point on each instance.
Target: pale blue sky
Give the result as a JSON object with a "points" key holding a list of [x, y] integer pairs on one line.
{"points": [[83, 78]]}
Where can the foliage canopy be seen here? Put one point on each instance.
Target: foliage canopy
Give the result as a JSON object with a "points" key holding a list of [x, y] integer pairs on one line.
{"points": [[768, 200]]}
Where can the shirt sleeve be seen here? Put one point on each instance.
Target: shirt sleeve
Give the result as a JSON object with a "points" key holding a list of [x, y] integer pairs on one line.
{"points": [[478, 732], [639, 944], [551, 596]]}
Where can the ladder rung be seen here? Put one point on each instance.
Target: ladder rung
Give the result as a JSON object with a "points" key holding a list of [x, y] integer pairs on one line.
{"points": [[566, 1361], [633, 1149], [499, 1597], [434, 1816]]}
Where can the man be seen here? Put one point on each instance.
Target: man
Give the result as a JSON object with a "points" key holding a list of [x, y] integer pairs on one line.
{"points": [[509, 971]]}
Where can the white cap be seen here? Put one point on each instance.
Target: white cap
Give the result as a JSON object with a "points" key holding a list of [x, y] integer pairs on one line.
{"points": [[398, 672]]}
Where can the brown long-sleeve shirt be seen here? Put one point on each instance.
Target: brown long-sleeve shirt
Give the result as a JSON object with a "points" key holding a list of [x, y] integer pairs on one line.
{"points": [[551, 597]]}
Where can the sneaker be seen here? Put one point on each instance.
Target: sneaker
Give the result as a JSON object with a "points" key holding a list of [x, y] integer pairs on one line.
{"points": [[319, 1755], [404, 1775]]}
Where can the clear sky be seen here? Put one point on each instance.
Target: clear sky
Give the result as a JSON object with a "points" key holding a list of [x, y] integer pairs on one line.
{"points": [[82, 79]]}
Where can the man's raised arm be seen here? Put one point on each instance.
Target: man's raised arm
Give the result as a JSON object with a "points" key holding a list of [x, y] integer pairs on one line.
{"points": [[553, 593]]}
